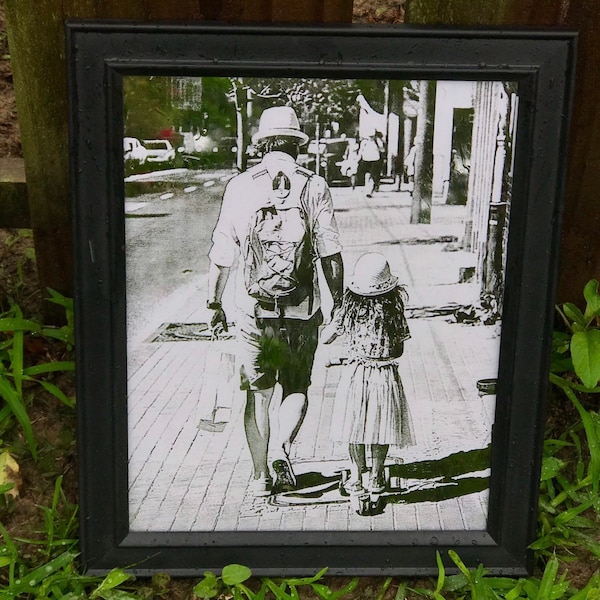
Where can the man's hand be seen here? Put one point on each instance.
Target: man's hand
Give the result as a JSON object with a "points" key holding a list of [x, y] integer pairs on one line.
{"points": [[217, 279], [333, 329], [218, 322], [329, 332]]}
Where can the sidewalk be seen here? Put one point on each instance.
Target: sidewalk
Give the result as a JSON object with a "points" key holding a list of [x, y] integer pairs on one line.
{"points": [[186, 478]]}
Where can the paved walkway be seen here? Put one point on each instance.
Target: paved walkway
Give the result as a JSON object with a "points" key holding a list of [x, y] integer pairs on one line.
{"points": [[189, 463]]}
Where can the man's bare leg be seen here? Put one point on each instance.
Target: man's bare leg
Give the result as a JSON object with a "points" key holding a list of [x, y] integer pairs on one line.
{"points": [[257, 428], [290, 416]]}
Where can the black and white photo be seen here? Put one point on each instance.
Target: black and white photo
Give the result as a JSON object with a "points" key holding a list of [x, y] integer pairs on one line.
{"points": [[236, 422], [308, 275]]}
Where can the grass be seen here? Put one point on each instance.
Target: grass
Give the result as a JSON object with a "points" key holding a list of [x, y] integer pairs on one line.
{"points": [[39, 559]]}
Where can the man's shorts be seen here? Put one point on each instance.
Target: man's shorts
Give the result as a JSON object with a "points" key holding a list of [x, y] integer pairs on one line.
{"points": [[277, 350]]}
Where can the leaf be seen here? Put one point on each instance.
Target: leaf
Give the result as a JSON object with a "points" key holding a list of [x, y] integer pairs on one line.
{"points": [[234, 574], [9, 473], [592, 298], [551, 467], [114, 579], [574, 313], [208, 587], [585, 350]]}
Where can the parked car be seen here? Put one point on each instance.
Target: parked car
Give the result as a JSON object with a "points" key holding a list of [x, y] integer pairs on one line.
{"points": [[331, 153], [159, 151], [133, 150]]}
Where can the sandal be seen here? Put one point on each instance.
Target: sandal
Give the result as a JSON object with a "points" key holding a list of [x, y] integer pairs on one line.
{"points": [[354, 488], [376, 485]]}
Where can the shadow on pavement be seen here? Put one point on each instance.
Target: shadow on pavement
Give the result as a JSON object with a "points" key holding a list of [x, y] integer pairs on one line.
{"points": [[452, 476]]}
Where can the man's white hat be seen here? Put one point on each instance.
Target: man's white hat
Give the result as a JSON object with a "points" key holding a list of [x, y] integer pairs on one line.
{"points": [[372, 276], [278, 121]]}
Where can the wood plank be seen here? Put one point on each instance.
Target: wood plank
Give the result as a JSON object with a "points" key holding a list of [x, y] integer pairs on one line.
{"points": [[14, 205]]}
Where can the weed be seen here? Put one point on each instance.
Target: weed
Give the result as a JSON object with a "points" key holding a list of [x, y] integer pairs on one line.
{"points": [[13, 372], [566, 498], [60, 524], [231, 584]]}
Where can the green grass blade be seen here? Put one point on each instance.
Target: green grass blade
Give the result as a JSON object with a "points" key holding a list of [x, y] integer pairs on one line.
{"points": [[441, 574], [18, 409], [9, 324], [278, 591], [590, 430], [17, 361], [51, 367], [306, 580], [548, 578], [58, 393], [384, 588], [28, 582]]}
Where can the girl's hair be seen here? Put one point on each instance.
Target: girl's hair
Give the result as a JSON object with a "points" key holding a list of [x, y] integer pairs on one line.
{"points": [[289, 145], [385, 310]]}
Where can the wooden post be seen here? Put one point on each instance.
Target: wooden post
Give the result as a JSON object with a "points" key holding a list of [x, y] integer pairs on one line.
{"points": [[580, 245], [37, 43]]}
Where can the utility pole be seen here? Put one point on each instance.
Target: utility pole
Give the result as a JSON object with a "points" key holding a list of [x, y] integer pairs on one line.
{"points": [[422, 193]]}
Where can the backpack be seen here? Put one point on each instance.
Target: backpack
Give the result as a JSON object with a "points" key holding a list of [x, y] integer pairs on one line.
{"points": [[278, 264]]}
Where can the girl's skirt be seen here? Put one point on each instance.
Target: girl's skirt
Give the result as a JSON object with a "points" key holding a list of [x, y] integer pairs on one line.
{"points": [[370, 406]]}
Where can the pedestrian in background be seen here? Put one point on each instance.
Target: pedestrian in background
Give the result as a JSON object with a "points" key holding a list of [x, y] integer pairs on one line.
{"points": [[370, 409], [351, 160], [371, 150]]}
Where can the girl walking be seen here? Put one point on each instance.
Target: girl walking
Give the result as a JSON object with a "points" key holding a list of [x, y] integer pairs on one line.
{"points": [[370, 409]]}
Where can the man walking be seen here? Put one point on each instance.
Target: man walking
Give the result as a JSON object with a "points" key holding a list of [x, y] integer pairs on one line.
{"points": [[276, 220]]}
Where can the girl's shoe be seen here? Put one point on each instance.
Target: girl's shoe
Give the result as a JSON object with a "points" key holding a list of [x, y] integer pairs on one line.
{"points": [[376, 484], [354, 488]]}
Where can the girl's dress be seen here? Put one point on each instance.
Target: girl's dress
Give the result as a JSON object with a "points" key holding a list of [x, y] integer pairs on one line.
{"points": [[370, 405]]}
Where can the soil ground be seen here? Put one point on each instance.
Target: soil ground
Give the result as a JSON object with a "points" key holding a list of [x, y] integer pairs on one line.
{"points": [[10, 141]]}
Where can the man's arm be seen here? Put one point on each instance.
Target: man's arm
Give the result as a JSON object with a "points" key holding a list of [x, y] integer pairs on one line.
{"points": [[333, 269], [217, 279]]}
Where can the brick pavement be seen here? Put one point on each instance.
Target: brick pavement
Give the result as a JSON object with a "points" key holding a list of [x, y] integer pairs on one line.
{"points": [[185, 478]]}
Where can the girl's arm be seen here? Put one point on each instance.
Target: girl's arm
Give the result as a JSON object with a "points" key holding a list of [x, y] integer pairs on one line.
{"points": [[333, 329]]}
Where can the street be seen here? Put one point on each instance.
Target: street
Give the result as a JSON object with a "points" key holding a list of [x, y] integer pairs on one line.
{"points": [[168, 238]]}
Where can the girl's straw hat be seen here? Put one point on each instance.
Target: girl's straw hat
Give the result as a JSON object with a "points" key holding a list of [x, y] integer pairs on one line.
{"points": [[372, 276]]}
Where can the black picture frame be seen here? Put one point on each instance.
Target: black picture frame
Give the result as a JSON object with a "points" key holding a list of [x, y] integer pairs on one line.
{"points": [[100, 56]]}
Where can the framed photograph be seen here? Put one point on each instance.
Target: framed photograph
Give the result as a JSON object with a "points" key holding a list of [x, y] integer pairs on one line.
{"points": [[315, 270]]}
